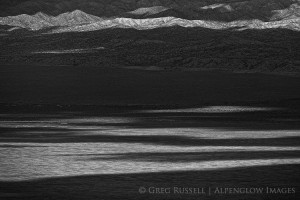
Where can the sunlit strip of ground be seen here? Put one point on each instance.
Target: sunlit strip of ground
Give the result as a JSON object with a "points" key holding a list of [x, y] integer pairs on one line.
{"points": [[67, 51], [125, 127], [31, 166], [213, 109], [23, 161], [44, 146]]}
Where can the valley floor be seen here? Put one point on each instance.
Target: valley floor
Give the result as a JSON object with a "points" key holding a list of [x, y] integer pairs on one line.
{"points": [[99, 133]]}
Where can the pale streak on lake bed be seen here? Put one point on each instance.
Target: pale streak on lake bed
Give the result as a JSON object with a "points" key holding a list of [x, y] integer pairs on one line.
{"points": [[27, 160]]}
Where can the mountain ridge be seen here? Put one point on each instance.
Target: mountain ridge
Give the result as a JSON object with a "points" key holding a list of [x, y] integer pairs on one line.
{"points": [[79, 21], [143, 24], [41, 20], [216, 10]]}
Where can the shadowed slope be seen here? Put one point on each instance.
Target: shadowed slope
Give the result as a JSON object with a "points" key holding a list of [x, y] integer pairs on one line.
{"points": [[127, 186], [273, 50], [192, 9]]}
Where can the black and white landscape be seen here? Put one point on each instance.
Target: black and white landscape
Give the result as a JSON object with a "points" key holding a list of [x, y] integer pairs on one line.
{"points": [[149, 99]]}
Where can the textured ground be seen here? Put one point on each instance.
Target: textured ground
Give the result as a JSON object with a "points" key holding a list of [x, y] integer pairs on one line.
{"points": [[185, 129], [116, 152], [273, 50]]}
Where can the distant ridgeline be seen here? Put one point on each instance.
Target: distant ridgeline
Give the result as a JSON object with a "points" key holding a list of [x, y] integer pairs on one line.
{"points": [[76, 15], [216, 10]]}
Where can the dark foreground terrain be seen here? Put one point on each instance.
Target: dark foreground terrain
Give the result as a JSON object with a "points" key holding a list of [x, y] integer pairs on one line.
{"points": [[73, 132], [127, 186], [86, 85]]}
